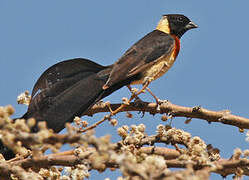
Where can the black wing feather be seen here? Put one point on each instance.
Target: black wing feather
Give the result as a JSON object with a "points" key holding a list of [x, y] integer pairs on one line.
{"points": [[145, 51]]}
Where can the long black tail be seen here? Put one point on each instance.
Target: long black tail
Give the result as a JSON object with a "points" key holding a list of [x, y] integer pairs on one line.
{"points": [[65, 90]]}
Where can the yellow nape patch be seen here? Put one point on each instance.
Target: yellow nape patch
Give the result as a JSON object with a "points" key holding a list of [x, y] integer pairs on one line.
{"points": [[163, 25]]}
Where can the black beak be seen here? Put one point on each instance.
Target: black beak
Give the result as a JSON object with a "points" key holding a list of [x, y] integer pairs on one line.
{"points": [[191, 25]]}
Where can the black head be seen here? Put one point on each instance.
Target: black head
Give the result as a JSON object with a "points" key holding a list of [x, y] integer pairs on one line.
{"points": [[179, 24]]}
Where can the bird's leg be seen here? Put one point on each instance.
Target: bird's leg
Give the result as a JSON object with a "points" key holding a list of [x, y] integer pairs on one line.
{"points": [[147, 81], [134, 95], [120, 108], [158, 101]]}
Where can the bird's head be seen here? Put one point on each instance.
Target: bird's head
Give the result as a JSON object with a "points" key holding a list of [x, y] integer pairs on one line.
{"points": [[175, 24]]}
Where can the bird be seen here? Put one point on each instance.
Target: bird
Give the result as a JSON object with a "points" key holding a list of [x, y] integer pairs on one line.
{"points": [[154, 54], [69, 88]]}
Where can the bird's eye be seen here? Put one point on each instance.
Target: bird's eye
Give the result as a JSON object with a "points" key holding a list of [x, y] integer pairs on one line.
{"points": [[180, 19]]}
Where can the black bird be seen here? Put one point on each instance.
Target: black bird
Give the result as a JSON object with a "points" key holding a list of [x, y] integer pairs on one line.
{"points": [[69, 88]]}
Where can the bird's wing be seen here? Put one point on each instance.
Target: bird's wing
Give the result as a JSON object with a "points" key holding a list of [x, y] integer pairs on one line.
{"points": [[141, 55]]}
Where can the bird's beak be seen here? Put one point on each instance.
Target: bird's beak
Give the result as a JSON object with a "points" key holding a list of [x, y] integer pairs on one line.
{"points": [[191, 25]]}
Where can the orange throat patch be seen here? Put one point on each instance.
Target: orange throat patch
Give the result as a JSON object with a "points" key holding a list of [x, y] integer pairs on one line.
{"points": [[177, 46]]}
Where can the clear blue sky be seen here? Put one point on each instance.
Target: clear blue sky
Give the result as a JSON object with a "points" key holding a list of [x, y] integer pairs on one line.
{"points": [[211, 70]]}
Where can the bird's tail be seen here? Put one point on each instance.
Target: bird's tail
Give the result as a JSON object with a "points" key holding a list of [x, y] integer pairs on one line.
{"points": [[69, 89], [65, 90]]}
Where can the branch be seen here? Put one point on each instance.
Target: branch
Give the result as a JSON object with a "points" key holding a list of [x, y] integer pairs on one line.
{"points": [[6, 170], [223, 167], [68, 158], [178, 111], [128, 155]]}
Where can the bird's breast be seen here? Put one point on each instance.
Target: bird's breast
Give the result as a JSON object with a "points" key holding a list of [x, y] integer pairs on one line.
{"points": [[161, 65]]}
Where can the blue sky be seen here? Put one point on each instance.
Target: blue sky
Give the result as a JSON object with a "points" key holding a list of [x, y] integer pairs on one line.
{"points": [[211, 70]]}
